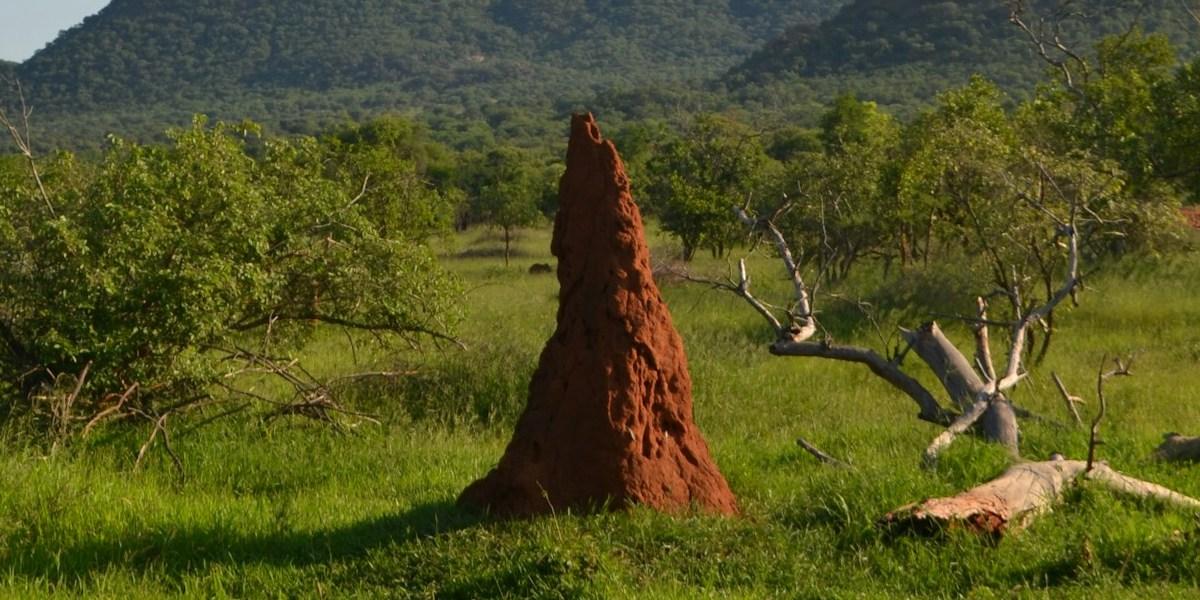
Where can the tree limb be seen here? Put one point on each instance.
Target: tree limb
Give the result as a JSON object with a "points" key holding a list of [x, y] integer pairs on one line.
{"points": [[931, 411]]}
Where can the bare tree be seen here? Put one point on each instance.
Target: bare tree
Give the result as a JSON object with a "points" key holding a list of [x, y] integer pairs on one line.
{"points": [[978, 391]]}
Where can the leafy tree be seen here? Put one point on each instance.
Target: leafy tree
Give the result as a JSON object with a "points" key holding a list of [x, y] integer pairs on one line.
{"points": [[953, 175], [840, 211], [695, 179], [171, 268], [507, 188], [1178, 128], [398, 174]]}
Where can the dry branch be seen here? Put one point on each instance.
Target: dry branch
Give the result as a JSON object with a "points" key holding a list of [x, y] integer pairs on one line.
{"points": [[24, 141], [820, 455], [953, 369], [889, 371], [959, 426], [983, 347], [981, 399], [803, 316], [1070, 400]]}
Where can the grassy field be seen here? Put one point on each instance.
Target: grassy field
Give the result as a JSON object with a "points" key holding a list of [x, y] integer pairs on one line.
{"points": [[296, 509]]}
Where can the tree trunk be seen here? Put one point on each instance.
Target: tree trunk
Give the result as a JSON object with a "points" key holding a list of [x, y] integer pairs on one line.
{"points": [[1013, 500], [507, 244], [952, 368], [998, 422]]}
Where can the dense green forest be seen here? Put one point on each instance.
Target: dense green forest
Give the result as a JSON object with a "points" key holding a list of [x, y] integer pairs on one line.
{"points": [[901, 53], [141, 63], [476, 69]]}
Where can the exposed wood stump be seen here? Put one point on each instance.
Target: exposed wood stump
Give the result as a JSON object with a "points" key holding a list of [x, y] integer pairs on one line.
{"points": [[609, 417]]}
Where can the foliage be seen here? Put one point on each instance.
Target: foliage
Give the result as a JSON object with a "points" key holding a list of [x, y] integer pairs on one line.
{"points": [[400, 176], [840, 212], [507, 189], [149, 63], [694, 178], [159, 270], [948, 40]]}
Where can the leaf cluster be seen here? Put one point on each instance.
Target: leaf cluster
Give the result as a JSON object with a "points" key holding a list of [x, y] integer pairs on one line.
{"points": [[157, 265]]}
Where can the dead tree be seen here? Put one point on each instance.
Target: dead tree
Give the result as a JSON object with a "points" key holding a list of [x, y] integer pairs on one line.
{"points": [[1010, 502], [978, 392]]}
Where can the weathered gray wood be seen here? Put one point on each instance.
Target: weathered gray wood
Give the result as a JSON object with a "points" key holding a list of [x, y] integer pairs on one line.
{"points": [[1069, 399], [983, 345], [820, 454], [999, 424], [805, 320], [960, 425], [953, 369], [931, 410]]}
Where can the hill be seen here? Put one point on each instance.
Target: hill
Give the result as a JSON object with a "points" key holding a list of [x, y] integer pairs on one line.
{"points": [[902, 52], [151, 60]]}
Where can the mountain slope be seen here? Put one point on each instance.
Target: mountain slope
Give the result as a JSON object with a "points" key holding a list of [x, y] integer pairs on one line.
{"points": [[914, 43], [167, 56]]}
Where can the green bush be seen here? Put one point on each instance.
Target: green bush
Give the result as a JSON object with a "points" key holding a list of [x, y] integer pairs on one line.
{"points": [[168, 267]]}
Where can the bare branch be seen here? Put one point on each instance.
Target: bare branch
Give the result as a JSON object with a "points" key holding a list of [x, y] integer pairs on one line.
{"points": [[952, 369], [112, 410], [1020, 332], [1041, 38], [983, 350], [958, 427], [820, 454], [1069, 399], [742, 289], [1125, 484], [1121, 370], [931, 411], [24, 142], [804, 313]]}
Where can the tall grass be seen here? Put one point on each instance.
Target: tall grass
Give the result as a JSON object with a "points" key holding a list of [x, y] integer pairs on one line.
{"points": [[295, 509]]}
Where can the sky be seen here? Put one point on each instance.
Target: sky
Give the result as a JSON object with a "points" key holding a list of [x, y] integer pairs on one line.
{"points": [[31, 24]]}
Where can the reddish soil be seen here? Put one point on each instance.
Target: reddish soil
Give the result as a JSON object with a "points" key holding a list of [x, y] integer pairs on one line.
{"points": [[609, 421]]}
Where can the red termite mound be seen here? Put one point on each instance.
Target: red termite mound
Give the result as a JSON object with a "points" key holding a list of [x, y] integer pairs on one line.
{"points": [[609, 417]]}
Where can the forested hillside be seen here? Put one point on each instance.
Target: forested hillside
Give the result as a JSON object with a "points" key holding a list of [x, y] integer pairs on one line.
{"points": [[901, 53], [162, 59]]}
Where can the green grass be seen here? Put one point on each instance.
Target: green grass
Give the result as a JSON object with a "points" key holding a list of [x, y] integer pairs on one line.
{"points": [[296, 509]]}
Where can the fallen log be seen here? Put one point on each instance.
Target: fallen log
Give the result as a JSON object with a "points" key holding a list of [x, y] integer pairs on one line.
{"points": [[1176, 447], [1010, 502]]}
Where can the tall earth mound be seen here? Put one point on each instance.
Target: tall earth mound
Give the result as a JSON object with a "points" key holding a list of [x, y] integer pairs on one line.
{"points": [[609, 418]]}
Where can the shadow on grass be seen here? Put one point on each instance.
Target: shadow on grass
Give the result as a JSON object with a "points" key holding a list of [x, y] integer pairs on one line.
{"points": [[177, 552]]}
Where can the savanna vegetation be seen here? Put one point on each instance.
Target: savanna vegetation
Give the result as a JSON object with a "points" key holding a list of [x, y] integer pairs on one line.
{"points": [[236, 364]]}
